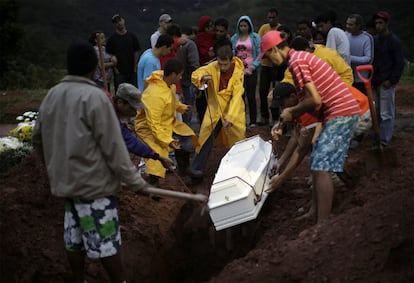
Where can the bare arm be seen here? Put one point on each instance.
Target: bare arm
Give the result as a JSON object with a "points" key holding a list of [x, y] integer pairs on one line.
{"points": [[304, 143], [311, 101]]}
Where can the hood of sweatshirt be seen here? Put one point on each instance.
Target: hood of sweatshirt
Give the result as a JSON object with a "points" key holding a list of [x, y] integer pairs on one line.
{"points": [[244, 18]]}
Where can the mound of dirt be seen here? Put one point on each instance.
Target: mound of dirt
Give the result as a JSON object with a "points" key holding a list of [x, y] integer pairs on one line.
{"points": [[368, 238]]}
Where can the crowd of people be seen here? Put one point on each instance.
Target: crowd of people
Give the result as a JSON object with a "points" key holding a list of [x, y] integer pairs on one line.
{"points": [[307, 78]]}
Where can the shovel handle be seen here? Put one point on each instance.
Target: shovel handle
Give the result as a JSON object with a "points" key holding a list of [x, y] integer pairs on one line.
{"points": [[177, 195], [366, 81]]}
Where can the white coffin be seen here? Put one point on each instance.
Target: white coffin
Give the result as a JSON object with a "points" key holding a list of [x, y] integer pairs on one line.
{"points": [[237, 193]]}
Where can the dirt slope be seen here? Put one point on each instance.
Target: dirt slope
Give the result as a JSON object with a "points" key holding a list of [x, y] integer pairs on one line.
{"points": [[368, 238]]}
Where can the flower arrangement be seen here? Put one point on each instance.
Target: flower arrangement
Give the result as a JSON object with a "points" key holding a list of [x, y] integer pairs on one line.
{"points": [[24, 129], [16, 145], [12, 152], [27, 116], [7, 143]]}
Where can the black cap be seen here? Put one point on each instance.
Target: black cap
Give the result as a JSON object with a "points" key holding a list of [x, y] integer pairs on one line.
{"points": [[283, 90]]}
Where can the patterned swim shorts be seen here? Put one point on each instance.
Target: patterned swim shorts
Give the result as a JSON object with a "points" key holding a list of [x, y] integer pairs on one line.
{"points": [[92, 226], [331, 146]]}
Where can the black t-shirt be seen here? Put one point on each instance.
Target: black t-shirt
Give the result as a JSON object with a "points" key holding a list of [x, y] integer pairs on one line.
{"points": [[123, 47]]}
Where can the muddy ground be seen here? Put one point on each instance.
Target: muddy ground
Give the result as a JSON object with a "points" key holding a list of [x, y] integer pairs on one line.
{"points": [[368, 238]]}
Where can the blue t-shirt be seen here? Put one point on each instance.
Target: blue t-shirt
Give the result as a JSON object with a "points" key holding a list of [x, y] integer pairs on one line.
{"points": [[146, 65]]}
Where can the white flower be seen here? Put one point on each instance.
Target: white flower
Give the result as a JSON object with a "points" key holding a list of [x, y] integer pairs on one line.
{"points": [[110, 214], [7, 143], [83, 210], [75, 236], [107, 249], [100, 204], [92, 253], [69, 220]]}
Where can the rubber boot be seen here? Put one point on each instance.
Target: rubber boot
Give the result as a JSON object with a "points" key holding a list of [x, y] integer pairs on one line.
{"points": [[154, 181], [183, 164], [183, 161]]}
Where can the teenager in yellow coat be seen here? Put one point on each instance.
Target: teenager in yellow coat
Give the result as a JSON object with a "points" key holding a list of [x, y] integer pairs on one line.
{"points": [[225, 116], [157, 124]]}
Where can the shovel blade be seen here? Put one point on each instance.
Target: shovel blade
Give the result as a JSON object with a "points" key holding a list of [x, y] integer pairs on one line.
{"points": [[380, 158]]}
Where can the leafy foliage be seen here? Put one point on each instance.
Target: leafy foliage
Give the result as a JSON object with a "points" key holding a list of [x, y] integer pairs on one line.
{"points": [[11, 34], [36, 33], [13, 157]]}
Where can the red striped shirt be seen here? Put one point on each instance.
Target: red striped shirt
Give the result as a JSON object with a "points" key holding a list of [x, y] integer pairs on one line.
{"points": [[337, 100]]}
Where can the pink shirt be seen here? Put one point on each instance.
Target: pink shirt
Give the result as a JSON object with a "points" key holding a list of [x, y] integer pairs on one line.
{"points": [[244, 50], [337, 99]]}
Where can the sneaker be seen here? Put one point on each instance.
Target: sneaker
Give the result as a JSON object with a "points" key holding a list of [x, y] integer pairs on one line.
{"points": [[141, 167], [354, 144], [384, 144], [194, 173], [253, 125]]}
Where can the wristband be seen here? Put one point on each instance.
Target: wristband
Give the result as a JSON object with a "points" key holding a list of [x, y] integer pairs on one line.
{"points": [[155, 156]]}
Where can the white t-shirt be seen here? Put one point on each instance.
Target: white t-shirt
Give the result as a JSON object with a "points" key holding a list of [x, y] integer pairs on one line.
{"points": [[337, 39]]}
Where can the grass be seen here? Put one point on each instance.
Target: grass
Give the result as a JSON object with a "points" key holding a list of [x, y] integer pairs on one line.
{"points": [[408, 74], [16, 102], [407, 79]]}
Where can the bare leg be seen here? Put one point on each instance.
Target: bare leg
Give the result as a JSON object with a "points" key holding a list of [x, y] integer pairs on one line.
{"points": [[312, 210], [113, 266], [322, 183], [77, 264]]}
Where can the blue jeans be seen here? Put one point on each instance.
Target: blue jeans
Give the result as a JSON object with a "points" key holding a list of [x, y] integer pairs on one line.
{"points": [[189, 99], [385, 107]]}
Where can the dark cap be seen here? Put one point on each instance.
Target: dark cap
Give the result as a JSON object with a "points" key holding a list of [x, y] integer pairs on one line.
{"points": [[130, 94], [116, 17], [283, 90], [383, 15]]}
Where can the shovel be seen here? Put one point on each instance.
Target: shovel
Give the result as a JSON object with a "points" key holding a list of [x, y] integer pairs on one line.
{"points": [[379, 157]]}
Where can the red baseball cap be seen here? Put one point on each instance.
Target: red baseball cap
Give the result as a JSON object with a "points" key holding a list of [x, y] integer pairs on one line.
{"points": [[383, 15], [270, 39]]}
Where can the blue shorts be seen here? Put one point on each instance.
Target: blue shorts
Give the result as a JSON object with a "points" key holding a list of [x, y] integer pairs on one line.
{"points": [[331, 146], [92, 226]]}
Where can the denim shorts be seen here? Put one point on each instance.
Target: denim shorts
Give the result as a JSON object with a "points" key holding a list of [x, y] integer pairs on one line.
{"points": [[331, 146], [92, 226]]}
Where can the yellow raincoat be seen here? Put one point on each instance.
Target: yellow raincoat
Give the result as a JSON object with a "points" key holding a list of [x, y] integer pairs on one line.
{"points": [[226, 104], [332, 57], [156, 122]]}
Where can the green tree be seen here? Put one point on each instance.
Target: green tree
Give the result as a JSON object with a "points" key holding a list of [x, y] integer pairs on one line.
{"points": [[11, 35]]}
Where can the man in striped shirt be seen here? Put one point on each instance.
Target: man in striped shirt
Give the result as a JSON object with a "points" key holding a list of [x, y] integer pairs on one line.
{"points": [[323, 94]]}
